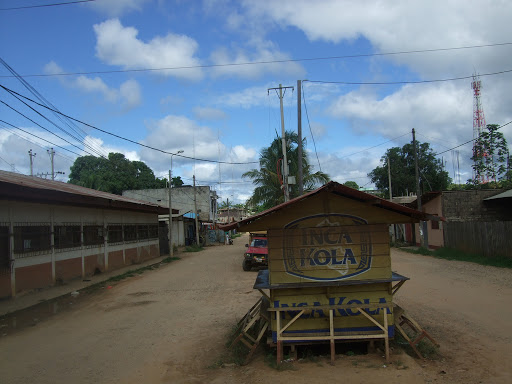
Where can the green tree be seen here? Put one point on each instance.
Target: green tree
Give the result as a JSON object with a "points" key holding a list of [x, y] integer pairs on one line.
{"points": [[268, 191], [114, 174], [403, 175], [490, 156], [351, 184]]}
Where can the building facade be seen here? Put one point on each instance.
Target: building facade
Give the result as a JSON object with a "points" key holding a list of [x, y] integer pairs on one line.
{"points": [[52, 232]]}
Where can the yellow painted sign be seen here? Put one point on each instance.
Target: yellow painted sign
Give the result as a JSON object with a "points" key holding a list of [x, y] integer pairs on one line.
{"points": [[329, 251], [343, 300]]}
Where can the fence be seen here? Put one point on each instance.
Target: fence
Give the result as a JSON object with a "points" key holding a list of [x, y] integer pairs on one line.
{"points": [[486, 238]]}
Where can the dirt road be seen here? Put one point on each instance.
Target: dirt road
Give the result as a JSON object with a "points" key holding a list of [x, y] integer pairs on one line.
{"points": [[168, 326]]}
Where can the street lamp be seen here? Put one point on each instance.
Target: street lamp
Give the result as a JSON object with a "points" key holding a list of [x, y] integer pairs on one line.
{"points": [[171, 249]]}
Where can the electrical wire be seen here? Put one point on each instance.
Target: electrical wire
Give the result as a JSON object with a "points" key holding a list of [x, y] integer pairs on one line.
{"points": [[75, 128], [46, 129], [40, 138], [469, 141], [310, 130], [13, 132], [271, 61], [121, 137], [408, 82], [46, 5]]}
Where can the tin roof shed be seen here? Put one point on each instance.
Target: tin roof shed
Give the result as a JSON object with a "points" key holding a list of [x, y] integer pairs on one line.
{"points": [[14, 186], [332, 198]]}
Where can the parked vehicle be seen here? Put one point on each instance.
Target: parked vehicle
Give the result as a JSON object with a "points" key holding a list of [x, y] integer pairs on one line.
{"points": [[256, 254]]}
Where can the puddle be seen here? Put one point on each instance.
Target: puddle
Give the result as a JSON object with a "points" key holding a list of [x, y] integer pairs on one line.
{"points": [[32, 316]]}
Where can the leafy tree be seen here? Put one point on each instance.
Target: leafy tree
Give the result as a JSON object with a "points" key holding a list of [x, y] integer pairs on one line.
{"points": [[403, 175], [114, 174], [351, 184], [490, 156], [176, 181], [268, 191]]}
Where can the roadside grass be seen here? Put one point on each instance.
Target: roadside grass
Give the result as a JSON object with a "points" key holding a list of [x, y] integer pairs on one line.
{"points": [[194, 248], [454, 254], [425, 347]]}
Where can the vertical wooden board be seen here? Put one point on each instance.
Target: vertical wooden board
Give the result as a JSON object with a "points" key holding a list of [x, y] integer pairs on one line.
{"points": [[329, 253], [345, 320]]}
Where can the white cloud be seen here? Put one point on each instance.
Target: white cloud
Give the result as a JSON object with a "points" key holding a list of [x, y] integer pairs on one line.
{"points": [[441, 110], [119, 45], [99, 144], [52, 68], [257, 51], [128, 93], [206, 113], [117, 7], [257, 96], [389, 27]]}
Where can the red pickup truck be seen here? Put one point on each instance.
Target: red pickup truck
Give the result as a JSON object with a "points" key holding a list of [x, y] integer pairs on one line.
{"points": [[256, 254]]}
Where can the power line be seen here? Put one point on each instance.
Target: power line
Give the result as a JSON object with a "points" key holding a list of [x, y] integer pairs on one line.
{"points": [[270, 62], [46, 129], [408, 82], [80, 132], [40, 138], [13, 132], [46, 5], [469, 141], [310, 130], [121, 137]]}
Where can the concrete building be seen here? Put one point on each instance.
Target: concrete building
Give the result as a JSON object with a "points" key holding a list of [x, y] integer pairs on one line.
{"points": [[51, 232], [182, 200]]}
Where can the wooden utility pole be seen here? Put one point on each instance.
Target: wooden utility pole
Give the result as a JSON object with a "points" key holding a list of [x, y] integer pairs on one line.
{"points": [[32, 155], [299, 132], [423, 224], [171, 246], [195, 211], [51, 152], [283, 142], [389, 182]]}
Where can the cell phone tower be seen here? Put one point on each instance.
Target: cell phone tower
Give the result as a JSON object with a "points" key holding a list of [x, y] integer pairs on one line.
{"points": [[478, 122]]}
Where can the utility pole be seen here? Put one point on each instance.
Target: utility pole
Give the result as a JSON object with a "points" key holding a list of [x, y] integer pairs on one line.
{"points": [[171, 247], [299, 132], [227, 201], [195, 210], [389, 182], [31, 162], [423, 224], [283, 142], [393, 235], [51, 152]]}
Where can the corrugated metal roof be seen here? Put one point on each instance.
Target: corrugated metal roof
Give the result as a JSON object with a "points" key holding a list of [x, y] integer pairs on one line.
{"points": [[13, 184], [504, 195], [341, 190]]}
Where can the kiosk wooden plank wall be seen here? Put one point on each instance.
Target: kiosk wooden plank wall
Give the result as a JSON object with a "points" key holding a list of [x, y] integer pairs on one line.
{"points": [[329, 275]]}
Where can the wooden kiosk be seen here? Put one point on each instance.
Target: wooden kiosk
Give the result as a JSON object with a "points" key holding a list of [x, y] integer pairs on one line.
{"points": [[329, 277]]}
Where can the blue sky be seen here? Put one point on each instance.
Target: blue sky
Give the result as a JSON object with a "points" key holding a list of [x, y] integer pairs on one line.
{"points": [[225, 112]]}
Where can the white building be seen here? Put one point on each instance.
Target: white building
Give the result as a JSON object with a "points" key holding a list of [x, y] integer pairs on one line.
{"points": [[52, 232]]}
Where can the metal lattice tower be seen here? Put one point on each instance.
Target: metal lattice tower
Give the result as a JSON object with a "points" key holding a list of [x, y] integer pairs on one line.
{"points": [[478, 116]]}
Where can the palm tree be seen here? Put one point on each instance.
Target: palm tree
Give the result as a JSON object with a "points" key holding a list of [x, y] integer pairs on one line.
{"points": [[269, 191]]}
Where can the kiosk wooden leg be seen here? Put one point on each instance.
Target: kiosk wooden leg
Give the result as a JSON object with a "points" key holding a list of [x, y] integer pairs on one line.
{"points": [[331, 328], [386, 333]]}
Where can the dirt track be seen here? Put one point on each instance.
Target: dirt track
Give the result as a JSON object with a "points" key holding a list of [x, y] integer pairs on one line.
{"points": [[168, 325]]}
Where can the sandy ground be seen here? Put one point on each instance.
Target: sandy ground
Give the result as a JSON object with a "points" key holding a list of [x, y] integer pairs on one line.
{"points": [[169, 325]]}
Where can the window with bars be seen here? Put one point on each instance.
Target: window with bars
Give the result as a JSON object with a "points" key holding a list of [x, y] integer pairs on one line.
{"points": [[153, 231], [31, 238], [93, 235], [67, 236], [142, 232], [115, 233], [4, 247], [130, 233]]}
